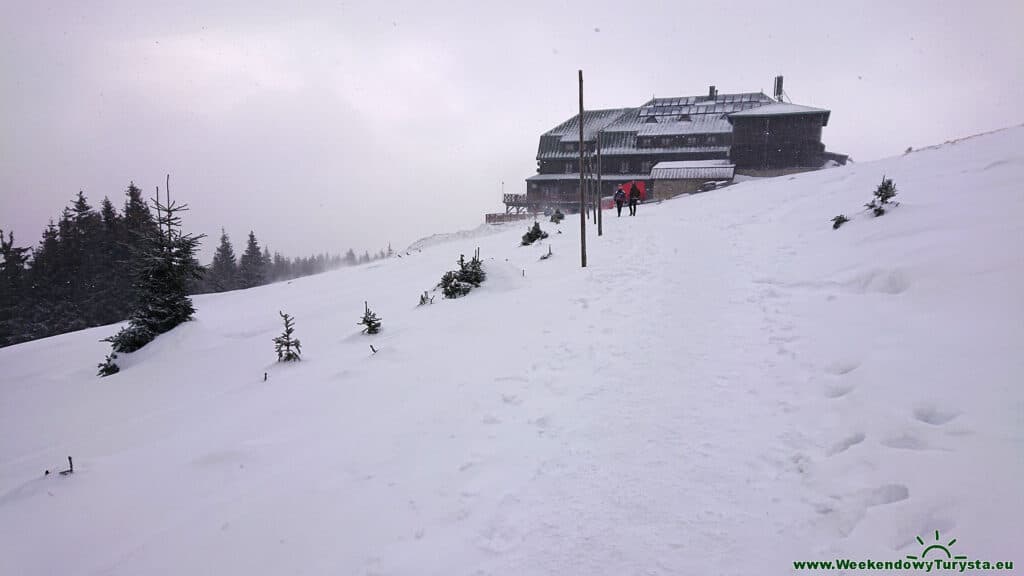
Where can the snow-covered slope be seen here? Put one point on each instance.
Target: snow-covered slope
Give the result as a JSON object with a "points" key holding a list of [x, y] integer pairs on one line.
{"points": [[730, 386]]}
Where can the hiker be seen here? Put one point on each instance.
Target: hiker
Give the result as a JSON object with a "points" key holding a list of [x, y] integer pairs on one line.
{"points": [[634, 197], [620, 199]]}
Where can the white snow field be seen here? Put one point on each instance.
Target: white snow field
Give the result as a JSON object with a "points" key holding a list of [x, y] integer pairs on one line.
{"points": [[729, 387]]}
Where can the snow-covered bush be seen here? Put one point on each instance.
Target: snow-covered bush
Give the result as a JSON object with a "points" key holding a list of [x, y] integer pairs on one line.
{"points": [[838, 221], [557, 217]]}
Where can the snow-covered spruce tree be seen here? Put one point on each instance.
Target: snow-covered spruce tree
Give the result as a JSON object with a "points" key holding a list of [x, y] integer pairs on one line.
{"points": [[533, 234], [459, 282], [883, 196], [452, 287], [288, 349], [163, 268], [108, 366], [370, 321], [472, 272]]}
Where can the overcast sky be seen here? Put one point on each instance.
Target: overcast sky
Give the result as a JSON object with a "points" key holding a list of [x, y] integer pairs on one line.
{"points": [[329, 125]]}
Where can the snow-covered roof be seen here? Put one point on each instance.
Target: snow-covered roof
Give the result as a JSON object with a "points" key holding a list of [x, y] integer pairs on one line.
{"points": [[693, 164], [605, 177], [696, 124], [721, 104], [683, 115], [693, 170], [778, 109]]}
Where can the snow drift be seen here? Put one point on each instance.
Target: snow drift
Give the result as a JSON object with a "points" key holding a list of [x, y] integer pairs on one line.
{"points": [[730, 386]]}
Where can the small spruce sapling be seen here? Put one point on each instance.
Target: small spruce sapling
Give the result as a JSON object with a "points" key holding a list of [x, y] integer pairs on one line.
{"points": [[452, 287], [370, 321], [839, 221], [533, 234], [557, 217], [459, 282], [472, 272], [426, 298], [288, 348], [883, 196]]}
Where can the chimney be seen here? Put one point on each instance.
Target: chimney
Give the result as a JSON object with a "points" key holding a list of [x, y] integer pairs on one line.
{"points": [[778, 88], [712, 93]]}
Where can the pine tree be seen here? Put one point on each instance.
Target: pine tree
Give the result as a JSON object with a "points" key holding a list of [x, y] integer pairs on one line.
{"points": [[288, 349], [350, 258], [370, 321], [13, 293], [224, 269], [251, 269], [108, 300], [165, 266]]}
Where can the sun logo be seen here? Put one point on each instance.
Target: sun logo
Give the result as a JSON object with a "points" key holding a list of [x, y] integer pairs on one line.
{"points": [[936, 547]]}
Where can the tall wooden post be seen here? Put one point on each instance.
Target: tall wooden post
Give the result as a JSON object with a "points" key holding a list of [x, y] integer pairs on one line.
{"points": [[583, 202], [594, 191], [600, 226]]}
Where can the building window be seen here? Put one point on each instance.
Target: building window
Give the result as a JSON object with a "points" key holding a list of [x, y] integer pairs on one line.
{"points": [[712, 141], [568, 167], [645, 168], [666, 142], [691, 140], [624, 167]]}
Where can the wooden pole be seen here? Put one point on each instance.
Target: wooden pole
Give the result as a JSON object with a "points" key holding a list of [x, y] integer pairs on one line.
{"points": [[593, 186], [583, 203], [600, 225]]}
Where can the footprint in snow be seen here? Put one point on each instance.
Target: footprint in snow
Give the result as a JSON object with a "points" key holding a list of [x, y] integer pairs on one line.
{"points": [[933, 415], [845, 444]]}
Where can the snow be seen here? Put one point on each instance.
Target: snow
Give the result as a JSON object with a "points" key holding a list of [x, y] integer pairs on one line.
{"points": [[778, 109], [730, 385], [694, 164]]}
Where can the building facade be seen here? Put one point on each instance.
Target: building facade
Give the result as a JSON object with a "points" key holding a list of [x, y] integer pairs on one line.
{"points": [[709, 127]]}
